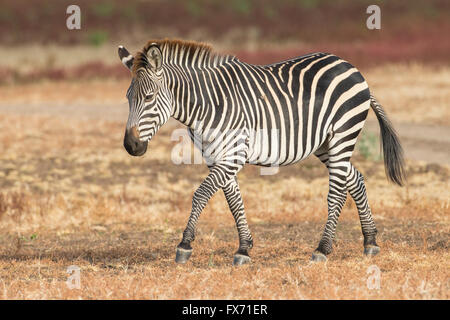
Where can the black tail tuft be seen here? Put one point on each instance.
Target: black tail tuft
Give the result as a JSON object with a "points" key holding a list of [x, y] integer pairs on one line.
{"points": [[392, 150]]}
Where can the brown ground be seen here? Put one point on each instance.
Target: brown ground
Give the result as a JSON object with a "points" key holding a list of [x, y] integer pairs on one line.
{"points": [[71, 195]]}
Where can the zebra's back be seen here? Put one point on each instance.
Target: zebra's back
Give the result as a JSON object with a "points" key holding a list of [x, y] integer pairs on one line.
{"points": [[300, 104]]}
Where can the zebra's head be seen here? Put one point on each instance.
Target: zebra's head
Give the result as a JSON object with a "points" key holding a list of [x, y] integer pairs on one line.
{"points": [[149, 100]]}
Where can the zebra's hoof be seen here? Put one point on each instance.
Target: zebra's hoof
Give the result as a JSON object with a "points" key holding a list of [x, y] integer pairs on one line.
{"points": [[183, 255], [318, 257], [371, 250], [240, 259]]}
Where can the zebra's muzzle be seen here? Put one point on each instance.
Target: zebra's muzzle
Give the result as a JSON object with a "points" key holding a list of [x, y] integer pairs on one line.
{"points": [[133, 144]]}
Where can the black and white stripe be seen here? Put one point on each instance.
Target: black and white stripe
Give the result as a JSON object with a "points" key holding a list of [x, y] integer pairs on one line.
{"points": [[265, 115]]}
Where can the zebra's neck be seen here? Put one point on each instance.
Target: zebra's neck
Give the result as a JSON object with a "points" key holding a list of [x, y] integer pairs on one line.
{"points": [[187, 75]]}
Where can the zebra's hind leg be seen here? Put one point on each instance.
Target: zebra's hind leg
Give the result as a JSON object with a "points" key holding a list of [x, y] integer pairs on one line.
{"points": [[357, 189], [234, 199], [338, 167], [337, 196]]}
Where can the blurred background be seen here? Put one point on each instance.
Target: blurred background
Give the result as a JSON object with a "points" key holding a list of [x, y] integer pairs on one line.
{"points": [[71, 195], [35, 43]]}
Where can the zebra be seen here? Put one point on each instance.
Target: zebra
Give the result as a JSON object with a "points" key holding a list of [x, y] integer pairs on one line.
{"points": [[317, 103]]}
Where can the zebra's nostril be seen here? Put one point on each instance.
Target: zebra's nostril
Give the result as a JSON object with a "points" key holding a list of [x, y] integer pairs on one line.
{"points": [[133, 144]]}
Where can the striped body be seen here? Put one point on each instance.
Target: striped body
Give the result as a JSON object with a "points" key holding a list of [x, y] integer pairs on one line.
{"points": [[284, 125], [272, 115]]}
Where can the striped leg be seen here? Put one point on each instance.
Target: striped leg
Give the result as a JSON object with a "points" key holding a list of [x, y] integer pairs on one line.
{"points": [[336, 158], [216, 179], [357, 189], [204, 192], [234, 199], [337, 196]]}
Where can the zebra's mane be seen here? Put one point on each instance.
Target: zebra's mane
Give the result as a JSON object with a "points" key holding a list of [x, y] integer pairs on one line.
{"points": [[171, 47]]}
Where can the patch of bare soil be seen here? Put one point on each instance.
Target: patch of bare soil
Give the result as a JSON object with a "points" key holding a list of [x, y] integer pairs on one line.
{"points": [[429, 143]]}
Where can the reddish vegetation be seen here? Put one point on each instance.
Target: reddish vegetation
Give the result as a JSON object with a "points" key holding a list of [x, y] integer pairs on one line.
{"points": [[410, 31], [311, 21], [425, 48]]}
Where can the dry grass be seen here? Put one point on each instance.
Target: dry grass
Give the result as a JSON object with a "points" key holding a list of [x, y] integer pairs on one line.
{"points": [[413, 93], [71, 195]]}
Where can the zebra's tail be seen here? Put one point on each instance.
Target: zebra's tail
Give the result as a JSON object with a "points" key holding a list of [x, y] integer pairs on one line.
{"points": [[392, 150]]}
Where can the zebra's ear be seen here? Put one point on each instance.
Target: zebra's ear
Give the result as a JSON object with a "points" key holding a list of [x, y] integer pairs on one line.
{"points": [[154, 57], [125, 57]]}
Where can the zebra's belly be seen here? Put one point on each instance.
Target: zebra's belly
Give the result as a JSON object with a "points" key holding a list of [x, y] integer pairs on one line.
{"points": [[272, 149]]}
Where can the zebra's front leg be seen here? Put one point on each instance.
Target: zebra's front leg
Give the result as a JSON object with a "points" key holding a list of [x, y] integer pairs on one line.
{"points": [[234, 199], [204, 192]]}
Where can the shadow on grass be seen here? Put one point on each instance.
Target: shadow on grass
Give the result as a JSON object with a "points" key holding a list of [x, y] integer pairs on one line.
{"points": [[274, 244]]}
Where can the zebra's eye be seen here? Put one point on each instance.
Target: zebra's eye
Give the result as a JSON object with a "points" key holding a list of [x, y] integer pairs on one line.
{"points": [[149, 97]]}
